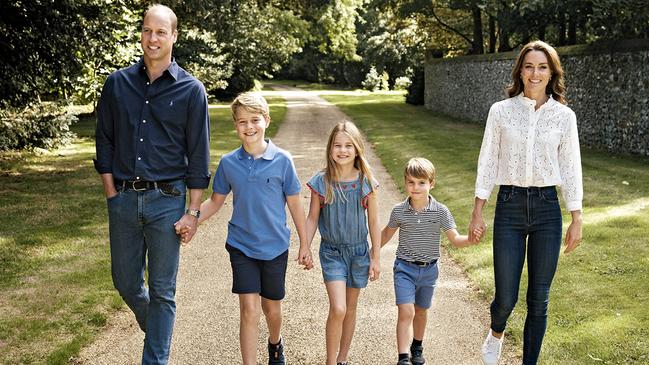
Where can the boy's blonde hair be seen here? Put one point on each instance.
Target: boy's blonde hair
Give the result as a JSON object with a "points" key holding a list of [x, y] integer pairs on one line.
{"points": [[332, 175], [252, 102], [420, 168]]}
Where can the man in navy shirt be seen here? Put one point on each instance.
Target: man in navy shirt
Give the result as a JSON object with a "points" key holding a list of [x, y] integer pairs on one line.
{"points": [[152, 142]]}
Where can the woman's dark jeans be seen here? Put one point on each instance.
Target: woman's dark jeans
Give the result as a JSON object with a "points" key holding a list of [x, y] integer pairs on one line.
{"points": [[533, 215]]}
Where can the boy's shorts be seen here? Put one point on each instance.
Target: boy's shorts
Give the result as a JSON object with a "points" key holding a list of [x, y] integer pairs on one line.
{"points": [[258, 276], [414, 283], [348, 263]]}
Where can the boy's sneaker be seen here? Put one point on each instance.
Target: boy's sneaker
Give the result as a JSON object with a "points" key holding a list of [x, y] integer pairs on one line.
{"points": [[342, 363], [404, 362], [491, 349], [276, 354], [417, 355]]}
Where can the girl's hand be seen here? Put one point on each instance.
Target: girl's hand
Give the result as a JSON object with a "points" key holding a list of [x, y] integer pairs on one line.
{"points": [[305, 259], [375, 270]]}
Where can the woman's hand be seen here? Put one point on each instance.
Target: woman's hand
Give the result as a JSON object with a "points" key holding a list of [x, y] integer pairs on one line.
{"points": [[574, 232], [477, 227]]}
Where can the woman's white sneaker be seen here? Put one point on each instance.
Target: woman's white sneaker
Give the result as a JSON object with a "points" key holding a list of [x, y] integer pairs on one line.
{"points": [[491, 349]]}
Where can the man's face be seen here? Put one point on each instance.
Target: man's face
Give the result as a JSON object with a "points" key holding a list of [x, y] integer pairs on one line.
{"points": [[157, 36]]}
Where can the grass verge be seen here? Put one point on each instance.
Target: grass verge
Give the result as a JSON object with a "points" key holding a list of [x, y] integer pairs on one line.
{"points": [[57, 291], [598, 310]]}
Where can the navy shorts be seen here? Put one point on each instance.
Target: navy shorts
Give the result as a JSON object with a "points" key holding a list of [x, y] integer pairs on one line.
{"points": [[266, 277]]}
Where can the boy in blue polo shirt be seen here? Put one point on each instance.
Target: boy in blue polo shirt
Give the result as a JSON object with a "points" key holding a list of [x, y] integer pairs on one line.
{"points": [[420, 220], [263, 179]]}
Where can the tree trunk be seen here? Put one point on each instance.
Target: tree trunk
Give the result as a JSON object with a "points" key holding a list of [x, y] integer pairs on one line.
{"points": [[503, 44], [477, 47], [562, 27], [572, 27], [492, 34]]}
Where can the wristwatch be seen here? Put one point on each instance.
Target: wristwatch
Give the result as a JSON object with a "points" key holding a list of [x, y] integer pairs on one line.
{"points": [[193, 212]]}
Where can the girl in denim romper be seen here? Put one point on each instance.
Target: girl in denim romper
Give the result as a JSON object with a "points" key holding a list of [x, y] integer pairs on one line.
{"points": [[343, 206]]}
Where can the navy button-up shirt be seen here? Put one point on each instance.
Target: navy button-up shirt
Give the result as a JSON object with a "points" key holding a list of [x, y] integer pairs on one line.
{"points": [[153, 131]]}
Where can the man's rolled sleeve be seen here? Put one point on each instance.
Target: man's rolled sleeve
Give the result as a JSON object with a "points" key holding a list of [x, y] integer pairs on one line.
{"points": [[198, 141]]}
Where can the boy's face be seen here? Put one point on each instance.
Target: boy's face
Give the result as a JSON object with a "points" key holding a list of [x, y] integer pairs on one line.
{"points": [[418, 188], [250, 126]]}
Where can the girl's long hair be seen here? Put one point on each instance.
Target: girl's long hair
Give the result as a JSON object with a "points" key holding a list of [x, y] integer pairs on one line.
{"points": [[556, 87], [331, 173]]}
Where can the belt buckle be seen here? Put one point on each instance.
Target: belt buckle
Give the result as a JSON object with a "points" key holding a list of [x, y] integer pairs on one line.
{"points": [[134, 186]]}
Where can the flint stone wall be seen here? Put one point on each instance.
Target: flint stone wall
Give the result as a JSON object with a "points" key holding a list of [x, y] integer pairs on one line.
{"points": [[607, 87]]}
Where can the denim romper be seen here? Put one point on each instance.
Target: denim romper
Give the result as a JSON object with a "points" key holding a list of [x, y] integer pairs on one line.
{"points": [[344, 253]]}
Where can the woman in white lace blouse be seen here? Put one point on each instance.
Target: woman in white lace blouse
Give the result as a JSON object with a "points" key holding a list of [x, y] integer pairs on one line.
{"points": [[530, 146]]}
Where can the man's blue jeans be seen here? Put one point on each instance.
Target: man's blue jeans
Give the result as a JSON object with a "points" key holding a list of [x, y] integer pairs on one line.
{"points": [[531, 214], [141, 225]]}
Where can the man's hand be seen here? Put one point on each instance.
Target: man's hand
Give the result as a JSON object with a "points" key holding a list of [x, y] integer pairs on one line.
{"points": [[186, 228]]}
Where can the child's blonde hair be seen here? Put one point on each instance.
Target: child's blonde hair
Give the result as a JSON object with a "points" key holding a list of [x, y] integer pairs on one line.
{"points": [[252, 102], [420, 168], [331, 173]]}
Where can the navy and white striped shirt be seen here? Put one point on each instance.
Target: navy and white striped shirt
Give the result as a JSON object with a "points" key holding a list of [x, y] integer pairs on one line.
{"points": [[419, 232]]}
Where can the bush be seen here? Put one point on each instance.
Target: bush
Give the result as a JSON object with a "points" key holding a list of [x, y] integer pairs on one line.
{"points": [[374, 81], [42, 125], [402, 83], [415, 95]]}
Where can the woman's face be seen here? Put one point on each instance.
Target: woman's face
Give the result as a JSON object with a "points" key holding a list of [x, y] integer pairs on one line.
{"points": [[535, 72]]}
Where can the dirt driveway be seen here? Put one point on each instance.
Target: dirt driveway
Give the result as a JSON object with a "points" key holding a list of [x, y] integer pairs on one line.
{"points": [[206, 330]]}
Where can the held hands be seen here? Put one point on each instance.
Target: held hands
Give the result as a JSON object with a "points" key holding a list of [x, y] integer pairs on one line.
{"points": [[304, 258], [375, 269], [186, 228], [477, 228]]}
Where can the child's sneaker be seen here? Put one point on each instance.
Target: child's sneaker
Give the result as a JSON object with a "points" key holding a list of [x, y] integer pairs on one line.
{"points": [[405, 361], [491, 349], [417, 355], [276, 354]]}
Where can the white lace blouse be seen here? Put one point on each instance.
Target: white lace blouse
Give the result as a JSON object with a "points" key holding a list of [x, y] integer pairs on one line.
{"points": [[526, 147]]}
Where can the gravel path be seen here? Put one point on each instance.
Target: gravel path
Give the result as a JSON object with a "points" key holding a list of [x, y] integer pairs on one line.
{"points": [[206, 330]]}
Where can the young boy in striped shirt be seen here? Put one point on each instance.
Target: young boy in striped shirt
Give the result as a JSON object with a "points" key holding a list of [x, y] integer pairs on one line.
{"points": [[421, 219]]}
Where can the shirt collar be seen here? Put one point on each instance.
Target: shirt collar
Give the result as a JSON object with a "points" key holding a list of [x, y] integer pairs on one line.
{"points": [[430, 207], [269, 153], [531, 102], [172, 69]]}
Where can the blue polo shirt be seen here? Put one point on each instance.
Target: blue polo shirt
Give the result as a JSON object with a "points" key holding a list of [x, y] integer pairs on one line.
{"points": [[260, 186]]}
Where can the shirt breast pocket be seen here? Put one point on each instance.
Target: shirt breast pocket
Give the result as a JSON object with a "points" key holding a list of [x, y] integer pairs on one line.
{"points": [[273, 184], [433, 224], [173, 112]]}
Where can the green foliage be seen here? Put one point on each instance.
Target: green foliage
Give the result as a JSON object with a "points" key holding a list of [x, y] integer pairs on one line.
{"points": [[375, 81], [110, 42], [37, 51], [42, 125]]}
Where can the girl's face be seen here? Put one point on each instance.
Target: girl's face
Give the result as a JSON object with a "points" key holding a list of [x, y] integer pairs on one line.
{"points": [[343, 151], [535, 72]]}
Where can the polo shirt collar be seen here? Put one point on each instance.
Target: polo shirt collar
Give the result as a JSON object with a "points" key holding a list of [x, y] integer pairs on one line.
{"points": [[269, 153], [432, 206], [172, 69]]}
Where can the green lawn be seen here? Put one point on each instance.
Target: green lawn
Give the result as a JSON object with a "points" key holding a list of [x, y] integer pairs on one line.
{"points": [[54, 257], [598, 309]]}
